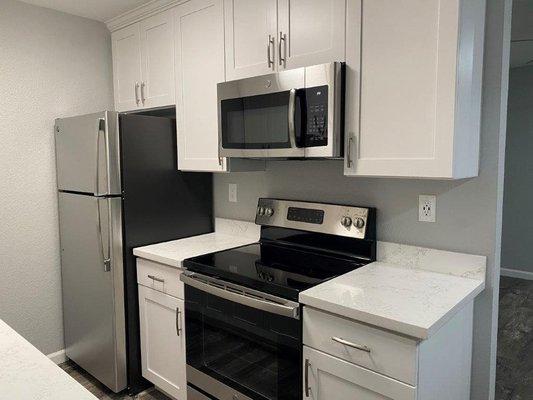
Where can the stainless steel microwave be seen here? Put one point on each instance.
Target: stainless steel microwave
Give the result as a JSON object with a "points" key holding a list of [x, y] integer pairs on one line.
{"points": [[291, 114]]}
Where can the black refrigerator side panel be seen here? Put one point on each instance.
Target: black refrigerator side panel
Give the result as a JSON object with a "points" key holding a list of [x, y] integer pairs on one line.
{"points": [[159, 204]]}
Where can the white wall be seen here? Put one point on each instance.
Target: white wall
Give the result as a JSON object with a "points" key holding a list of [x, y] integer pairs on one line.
{"points": [[517, 221], [51, 65], [468, 211]]}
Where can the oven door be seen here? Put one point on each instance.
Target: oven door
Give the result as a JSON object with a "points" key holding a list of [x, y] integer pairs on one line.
{"points": [[241, 343]]}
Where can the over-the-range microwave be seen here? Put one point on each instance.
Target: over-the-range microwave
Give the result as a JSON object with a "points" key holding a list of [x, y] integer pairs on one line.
{"points": [[296, 113]]}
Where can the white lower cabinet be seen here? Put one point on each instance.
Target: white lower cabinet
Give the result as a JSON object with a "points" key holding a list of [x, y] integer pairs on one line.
{"points": [[330, 378], [162, 325], [347, 360]]}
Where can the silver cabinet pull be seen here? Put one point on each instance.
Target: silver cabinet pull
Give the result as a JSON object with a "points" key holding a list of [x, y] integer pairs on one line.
{"points": [[282, 57], [143, 98], [137, 93], [178, 318], [307, 388], [361, 347], [270, 46], [349, 155], [155, 278]]}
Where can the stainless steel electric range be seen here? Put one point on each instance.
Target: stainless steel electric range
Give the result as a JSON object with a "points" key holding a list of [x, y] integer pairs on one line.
{"points": [[242, 316]]}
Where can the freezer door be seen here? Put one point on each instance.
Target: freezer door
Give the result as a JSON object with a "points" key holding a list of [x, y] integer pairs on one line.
{"points": [[93, 286], [87, 154]]}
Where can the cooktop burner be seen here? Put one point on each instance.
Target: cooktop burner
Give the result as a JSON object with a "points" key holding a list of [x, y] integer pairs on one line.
{"points": [[281, 270]]}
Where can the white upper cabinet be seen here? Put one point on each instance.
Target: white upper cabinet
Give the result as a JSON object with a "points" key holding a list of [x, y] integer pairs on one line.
{"points": [[264, 36], [413, 92], [311, 32], [143, 64], [127, 75], [251, 29], [199, 39], [157, 38]]}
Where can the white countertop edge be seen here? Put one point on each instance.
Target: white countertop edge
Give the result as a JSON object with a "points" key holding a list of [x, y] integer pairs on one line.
{"points": [[401, 327], [228, 234]]}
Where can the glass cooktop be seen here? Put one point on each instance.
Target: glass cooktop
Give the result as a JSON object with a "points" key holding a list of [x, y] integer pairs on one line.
{"points": [[279, 270]]}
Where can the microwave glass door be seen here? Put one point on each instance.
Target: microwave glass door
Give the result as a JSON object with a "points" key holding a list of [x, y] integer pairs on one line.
{"points": [[255, 352], [261, 122]]}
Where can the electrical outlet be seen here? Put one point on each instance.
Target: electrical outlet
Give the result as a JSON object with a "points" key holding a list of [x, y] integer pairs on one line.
{"points": [[232, 192], [427, 208]]}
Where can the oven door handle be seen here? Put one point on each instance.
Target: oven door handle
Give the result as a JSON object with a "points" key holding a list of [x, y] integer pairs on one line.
{"points": [[219, 289]]}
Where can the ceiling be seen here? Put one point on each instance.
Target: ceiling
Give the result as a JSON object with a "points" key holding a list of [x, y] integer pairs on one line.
{"points": [[100, 10]]}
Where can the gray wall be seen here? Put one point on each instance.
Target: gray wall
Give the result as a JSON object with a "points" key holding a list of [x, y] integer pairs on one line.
{"points": [[51, 65], [517, 223], [468, 211]]}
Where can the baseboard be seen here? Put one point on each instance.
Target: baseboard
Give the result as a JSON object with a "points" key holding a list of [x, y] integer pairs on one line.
{"points": [[59, 357], [516, 273]]}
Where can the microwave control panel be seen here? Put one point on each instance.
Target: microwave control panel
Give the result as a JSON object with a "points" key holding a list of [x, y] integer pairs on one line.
{"points": [[316, 101]]}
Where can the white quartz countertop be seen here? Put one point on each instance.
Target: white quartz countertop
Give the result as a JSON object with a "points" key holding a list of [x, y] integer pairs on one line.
{"points": [[228, 234], [26, 373], [412, 298]]}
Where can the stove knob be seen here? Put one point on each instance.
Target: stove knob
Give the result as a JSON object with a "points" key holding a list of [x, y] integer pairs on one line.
{"points": [[269, 212], [346, 222], [261, 211], [359, 223]]}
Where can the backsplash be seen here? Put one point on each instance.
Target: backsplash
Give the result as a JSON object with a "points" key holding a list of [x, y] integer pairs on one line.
{"points": [[462, 206]]}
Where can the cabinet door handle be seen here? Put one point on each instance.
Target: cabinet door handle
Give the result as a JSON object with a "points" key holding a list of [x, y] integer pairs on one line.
{"points": [[137, 93], [155, 278], [282, 56], [356, 346], [349, 155], [270, 46], [143, 85], [178, 318], [307, 388]]}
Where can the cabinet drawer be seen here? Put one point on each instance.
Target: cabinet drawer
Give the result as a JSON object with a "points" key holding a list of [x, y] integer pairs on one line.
{"points": [[381, 351], [160, 277]]}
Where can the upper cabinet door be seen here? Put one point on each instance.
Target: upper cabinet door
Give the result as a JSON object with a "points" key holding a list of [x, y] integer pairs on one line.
{"points": [[199, 39], [311, 32], [157, 86], [127, 74], [417, 82], [251, 32]]}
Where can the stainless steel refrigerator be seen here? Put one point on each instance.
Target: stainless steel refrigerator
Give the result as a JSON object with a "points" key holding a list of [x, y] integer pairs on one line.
{"points": [[118, 188]]}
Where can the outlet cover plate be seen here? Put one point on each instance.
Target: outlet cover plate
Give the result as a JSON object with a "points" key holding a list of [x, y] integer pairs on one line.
{"points": [[427, 208], [232, 192]]}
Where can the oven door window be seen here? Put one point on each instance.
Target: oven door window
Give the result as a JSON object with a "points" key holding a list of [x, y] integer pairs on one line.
{"points": [[260, 122], [252, 351]]}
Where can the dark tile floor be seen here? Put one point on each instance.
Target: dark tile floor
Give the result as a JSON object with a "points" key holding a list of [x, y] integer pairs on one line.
{"points": [[100, 391], [514, 374]]}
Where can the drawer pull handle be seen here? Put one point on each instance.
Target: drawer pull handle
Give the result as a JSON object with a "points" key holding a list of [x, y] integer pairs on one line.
{"points": [[155, 278], [361, 347]]}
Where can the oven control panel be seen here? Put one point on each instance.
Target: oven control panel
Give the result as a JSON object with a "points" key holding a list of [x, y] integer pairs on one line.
{"points": [[350, 221]]}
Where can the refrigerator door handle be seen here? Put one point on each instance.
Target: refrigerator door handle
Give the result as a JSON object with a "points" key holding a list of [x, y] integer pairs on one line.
{"points": [[101, 129], [106, 257]]}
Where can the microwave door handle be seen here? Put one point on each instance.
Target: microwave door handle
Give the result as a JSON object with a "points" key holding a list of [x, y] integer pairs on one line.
{"points": [[292, 112]]}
